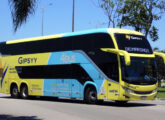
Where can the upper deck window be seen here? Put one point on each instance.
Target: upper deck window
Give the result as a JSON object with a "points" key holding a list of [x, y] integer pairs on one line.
{"points": [[78, 42], [133, 43]]}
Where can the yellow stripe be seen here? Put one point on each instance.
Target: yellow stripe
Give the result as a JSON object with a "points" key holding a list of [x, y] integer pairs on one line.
{"points": [[35, 39], [112, 31], [142, 55], [114, 40], [124, 31]]}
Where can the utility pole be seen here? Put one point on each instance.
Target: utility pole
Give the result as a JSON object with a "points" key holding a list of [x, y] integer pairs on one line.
{"points": [[42, 24], [73, 17]]}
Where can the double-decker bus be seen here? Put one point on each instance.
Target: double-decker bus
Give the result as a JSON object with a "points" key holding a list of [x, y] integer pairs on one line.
{"points": [[101, 64]]}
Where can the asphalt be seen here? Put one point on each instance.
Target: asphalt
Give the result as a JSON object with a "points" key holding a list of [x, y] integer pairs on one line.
{"points": [[62, 109]]}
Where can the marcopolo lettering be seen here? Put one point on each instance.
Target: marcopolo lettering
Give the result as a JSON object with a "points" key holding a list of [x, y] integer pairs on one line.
{"points": [[22, 60], [135, 38]]}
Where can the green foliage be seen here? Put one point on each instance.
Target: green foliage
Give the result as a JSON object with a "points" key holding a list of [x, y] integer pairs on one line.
{"points": [[20, 10], [154, 33], [139, 14], [161, 92], [160, 68], [161, 89]]}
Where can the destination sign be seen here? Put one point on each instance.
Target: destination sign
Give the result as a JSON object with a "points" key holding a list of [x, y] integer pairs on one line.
{"points": [[135, 49]]}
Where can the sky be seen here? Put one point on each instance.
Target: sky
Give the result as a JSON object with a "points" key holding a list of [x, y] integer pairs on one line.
{"points": [[58, 19]]}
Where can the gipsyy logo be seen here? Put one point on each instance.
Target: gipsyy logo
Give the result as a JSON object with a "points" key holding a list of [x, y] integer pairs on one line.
{"points": [[22, 60]]}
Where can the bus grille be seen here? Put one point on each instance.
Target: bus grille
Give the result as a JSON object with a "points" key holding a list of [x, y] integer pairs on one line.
{"points": [[141, 92]]}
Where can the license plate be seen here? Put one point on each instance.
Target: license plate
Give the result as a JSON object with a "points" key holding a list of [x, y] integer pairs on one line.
{"points": [[143, 97]]}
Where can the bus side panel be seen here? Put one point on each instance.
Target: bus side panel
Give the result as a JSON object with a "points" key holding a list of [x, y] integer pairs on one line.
{"points": [[35, 85], [57, 87], [4, 75], [75, 86], [77, 89], [96, 76]]}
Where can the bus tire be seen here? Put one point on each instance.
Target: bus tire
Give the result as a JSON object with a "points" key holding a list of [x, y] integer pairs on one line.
{"points": [[24, 92], [90, 95], [14, 91]]}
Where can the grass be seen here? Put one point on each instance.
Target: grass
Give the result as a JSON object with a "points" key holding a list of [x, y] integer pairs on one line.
{"points": [[161, 92]]}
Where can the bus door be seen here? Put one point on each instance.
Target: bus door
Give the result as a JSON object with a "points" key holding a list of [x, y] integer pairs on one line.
{"points": [[112, 70], [113, 90]]}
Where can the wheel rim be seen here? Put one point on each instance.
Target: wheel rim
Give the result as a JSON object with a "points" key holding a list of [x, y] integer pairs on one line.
{"points": [[15, 91], [92, 96], [24, 92]]}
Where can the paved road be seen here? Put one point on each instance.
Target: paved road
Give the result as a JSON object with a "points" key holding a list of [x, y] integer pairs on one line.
{"points": [[44, 109]]}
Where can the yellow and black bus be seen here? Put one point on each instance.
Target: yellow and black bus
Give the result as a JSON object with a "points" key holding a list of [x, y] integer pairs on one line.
{"points": [[101, 64]]}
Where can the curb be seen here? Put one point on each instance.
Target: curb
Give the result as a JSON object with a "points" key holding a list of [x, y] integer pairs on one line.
{"points": [[160, 98]]}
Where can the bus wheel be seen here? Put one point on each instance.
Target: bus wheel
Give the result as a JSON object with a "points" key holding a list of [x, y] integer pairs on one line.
{"points": [[24, 92], [90, 96], [14, 91]]}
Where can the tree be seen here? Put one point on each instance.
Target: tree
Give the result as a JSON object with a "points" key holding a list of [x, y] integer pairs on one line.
{"points": [[111, 9], [140, 14], [161, 69], [21, 10]]}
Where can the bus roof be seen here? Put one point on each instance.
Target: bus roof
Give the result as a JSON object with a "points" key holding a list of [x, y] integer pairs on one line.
{"points": [[103, 30]]}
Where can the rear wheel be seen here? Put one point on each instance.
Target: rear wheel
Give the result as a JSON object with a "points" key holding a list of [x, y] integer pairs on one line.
{"points": [[24, 92], [90, 96], [14, 91]]}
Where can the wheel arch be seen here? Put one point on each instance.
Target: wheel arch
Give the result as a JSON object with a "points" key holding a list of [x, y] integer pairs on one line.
{"points": [[89, 84], [12, 84]]}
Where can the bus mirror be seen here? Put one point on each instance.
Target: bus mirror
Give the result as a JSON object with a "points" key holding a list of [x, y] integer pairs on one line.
{"points": [[162, 55], [119, 52]]}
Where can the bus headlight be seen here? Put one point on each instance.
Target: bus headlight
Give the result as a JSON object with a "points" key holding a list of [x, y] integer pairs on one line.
{"points": [[128, 90], [154, 90]]}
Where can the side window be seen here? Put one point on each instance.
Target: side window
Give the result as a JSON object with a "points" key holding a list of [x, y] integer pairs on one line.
{"points": [[82, 42], [103, 41], [109, 65], [80, 74]]}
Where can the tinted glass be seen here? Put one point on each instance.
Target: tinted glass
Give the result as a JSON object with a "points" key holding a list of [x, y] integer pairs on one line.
{"points": [[107, 62], [133, 43], [142, 71], [71, 71], [79, 42]]}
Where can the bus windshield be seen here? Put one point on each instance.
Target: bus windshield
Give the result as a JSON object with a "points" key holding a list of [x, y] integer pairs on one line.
{"points": [[142, 71], [133, 43]]}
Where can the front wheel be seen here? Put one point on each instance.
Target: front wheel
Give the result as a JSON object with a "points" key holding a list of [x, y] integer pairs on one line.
{"points": [[24, 92], [90, 96]]}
